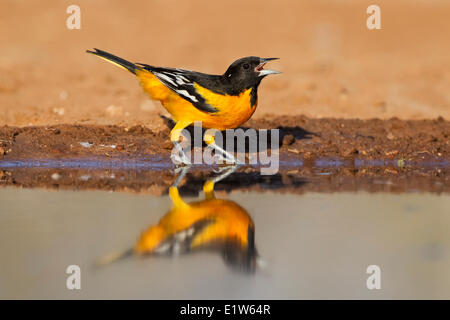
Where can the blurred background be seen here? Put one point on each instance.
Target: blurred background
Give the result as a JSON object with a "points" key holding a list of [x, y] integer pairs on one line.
{"points": [[333, 66], [318, 225]]}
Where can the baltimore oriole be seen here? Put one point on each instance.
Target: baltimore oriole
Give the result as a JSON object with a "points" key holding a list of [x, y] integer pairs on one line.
{"points": [[214, 224], [219, 101], [217, 224]]}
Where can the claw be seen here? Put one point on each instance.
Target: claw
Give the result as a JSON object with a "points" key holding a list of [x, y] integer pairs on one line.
{"points": [[177, 160], [224, 172], [182, 172], [225, 156], [220, 169], [177, 170], [180, 157]]}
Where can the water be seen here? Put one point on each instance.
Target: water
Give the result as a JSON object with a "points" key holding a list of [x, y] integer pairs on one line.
{"points": [[316, 230]]}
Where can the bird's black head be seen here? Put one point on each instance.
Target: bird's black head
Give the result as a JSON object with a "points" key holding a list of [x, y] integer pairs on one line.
{"points": [[248, 72]]}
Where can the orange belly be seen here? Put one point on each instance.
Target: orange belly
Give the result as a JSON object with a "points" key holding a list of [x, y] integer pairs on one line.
{"points": [[228, 221], [232, 112]]}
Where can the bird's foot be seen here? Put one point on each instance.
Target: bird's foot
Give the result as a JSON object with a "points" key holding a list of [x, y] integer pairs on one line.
{"points": [[178, 156], [181, 172], [180, 160], [230, 161], [220, 169], [222, 165], [223, 169], [224, 157], [224, 172]]}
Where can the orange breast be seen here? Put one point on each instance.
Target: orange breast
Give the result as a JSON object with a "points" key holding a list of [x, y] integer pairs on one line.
{"points": [[232, 110], [228, 221]]}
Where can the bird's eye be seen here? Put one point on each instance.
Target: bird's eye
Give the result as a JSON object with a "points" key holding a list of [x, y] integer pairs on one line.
{"points": [[246, 66]]}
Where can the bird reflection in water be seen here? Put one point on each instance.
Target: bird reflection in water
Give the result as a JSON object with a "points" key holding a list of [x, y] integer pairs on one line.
{"points": [[210, 224]]}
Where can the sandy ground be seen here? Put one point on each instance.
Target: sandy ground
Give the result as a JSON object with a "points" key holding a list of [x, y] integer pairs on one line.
{"points": [[333, 66]]}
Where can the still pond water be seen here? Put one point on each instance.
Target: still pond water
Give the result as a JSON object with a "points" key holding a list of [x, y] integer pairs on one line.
{"points": [[236, 244]]}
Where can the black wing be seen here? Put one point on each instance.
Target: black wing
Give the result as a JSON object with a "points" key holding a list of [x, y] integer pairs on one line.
{"points": [[182, 83]]}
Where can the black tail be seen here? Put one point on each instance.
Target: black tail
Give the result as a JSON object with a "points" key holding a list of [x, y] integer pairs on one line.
{"points": [[115, 60]]}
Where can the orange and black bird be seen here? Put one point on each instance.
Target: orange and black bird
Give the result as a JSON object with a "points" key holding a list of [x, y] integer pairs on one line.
{"points": [[212, 224], [219, 101]]}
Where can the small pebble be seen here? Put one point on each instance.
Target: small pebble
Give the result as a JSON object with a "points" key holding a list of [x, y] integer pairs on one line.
{"points": [[288, 140], [63, 95], [59, 111], [86, 144], [114, 111], [390, 136], [56, 176]]}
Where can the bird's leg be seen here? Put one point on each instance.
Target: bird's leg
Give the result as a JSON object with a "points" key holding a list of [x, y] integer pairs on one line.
{"points": [[208, 187], [178, 156], [210, 141], [180, 177], [177, 201], [228, 171]]}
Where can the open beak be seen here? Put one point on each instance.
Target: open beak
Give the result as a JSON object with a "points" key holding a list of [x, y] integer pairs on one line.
{"points": [[264, 72]]}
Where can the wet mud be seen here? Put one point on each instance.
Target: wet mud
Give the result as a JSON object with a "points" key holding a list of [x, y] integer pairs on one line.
{"points": [[323, 155], [300, 138], [287, 180]]}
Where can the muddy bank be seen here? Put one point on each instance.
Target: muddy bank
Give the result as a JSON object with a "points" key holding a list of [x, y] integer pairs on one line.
{"points": [[293, 180], [301, 138]]}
